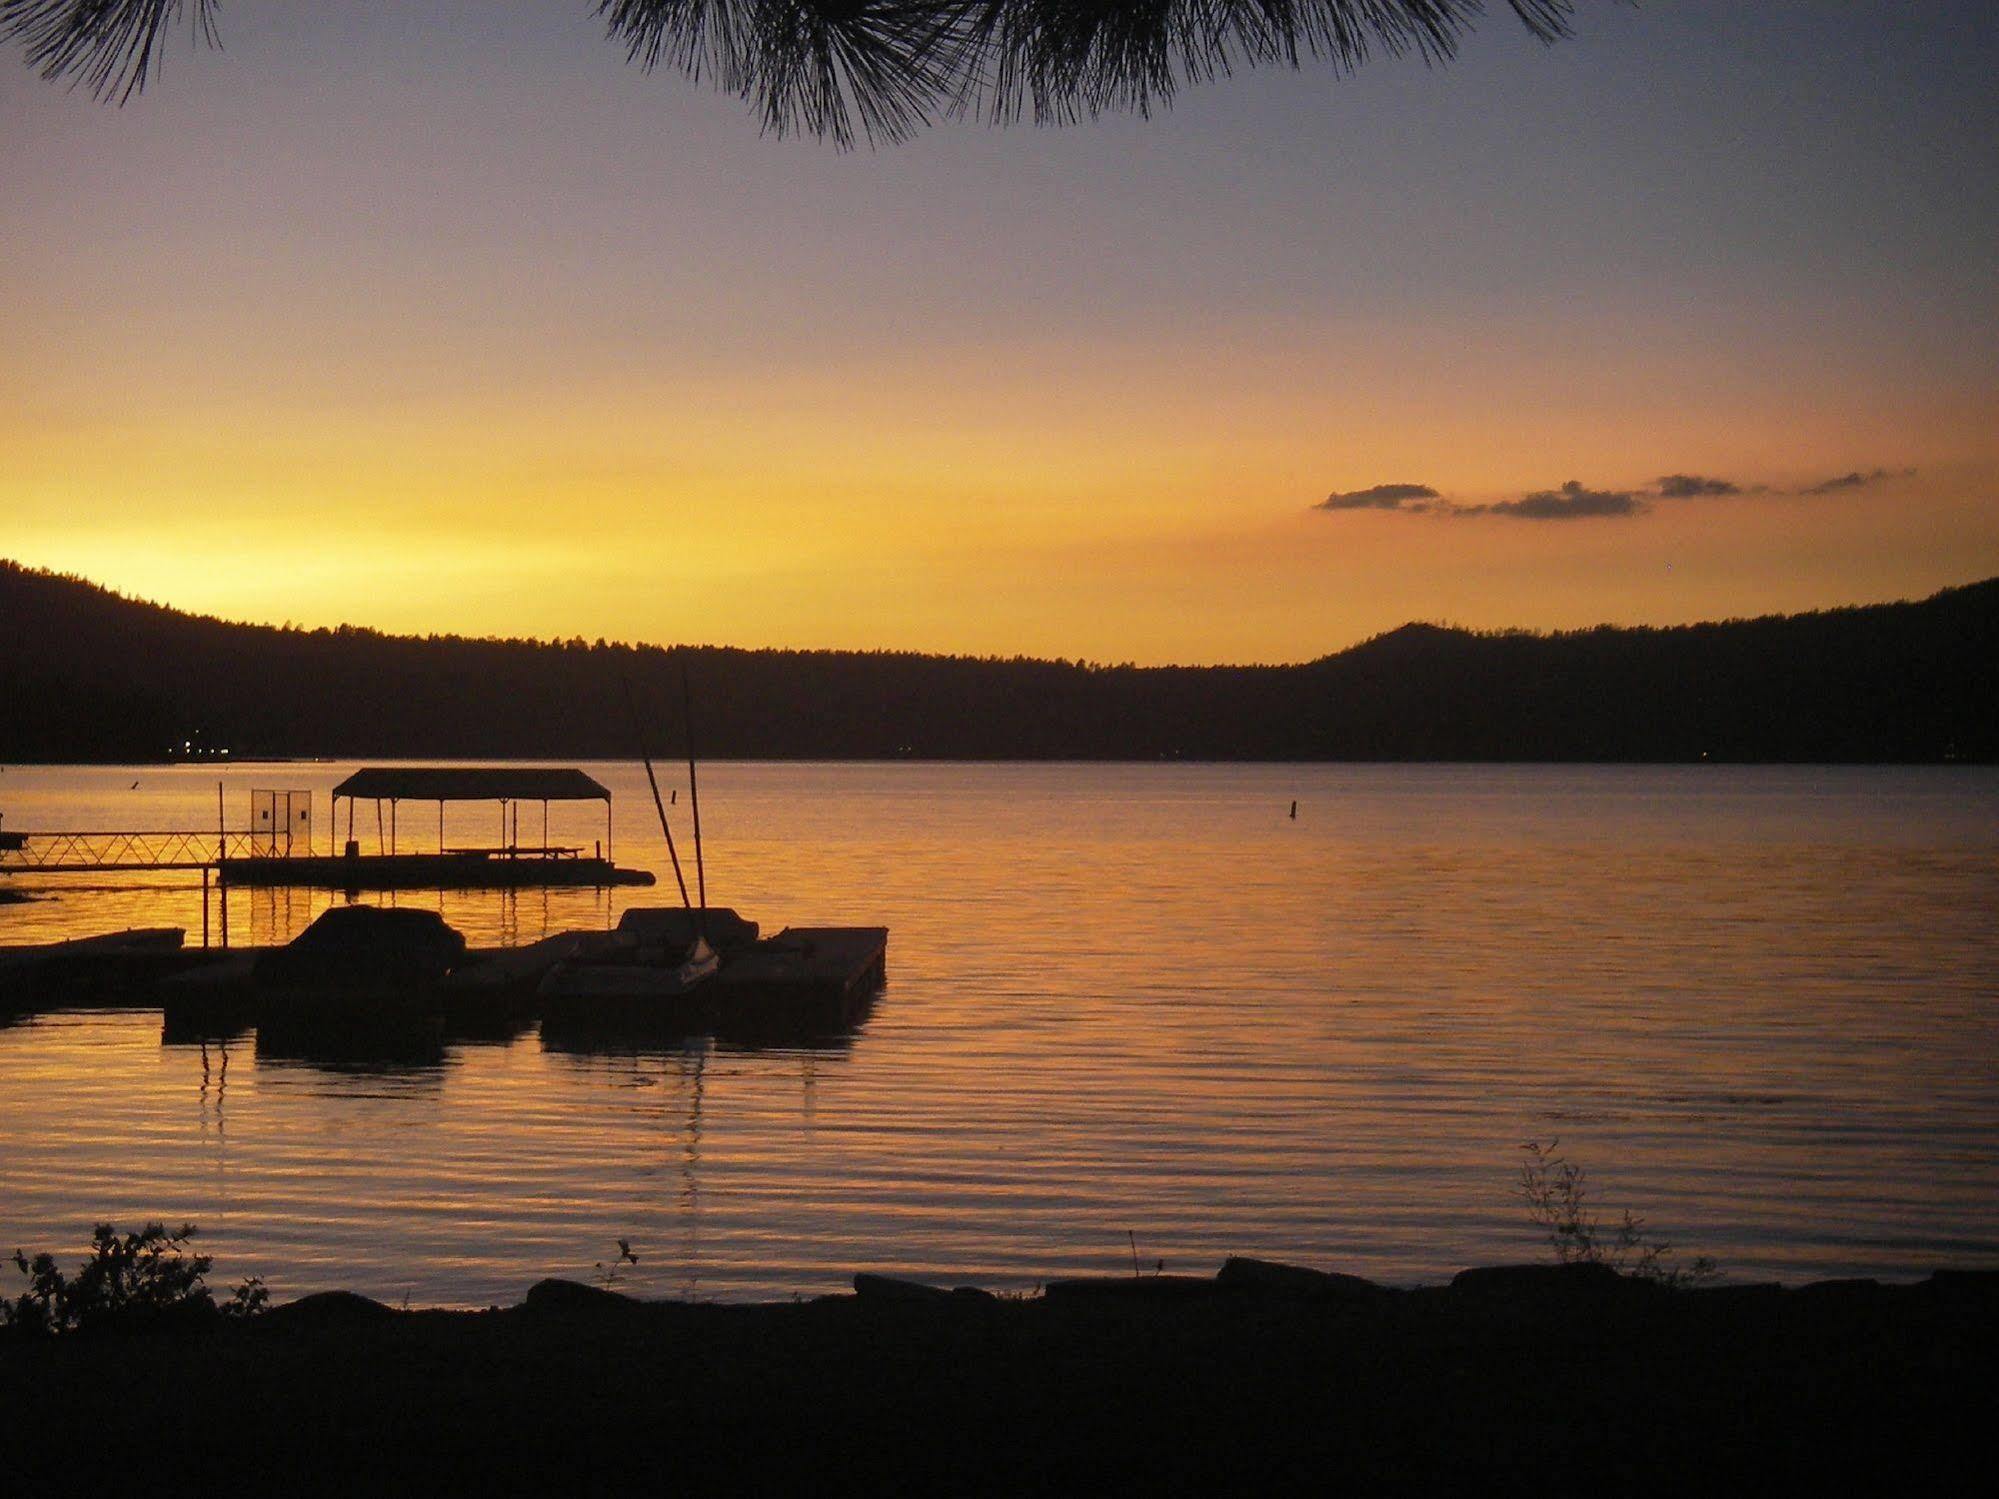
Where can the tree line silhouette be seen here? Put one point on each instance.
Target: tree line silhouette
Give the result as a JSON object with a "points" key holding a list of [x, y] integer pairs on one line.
{"points": [[88, 675]]}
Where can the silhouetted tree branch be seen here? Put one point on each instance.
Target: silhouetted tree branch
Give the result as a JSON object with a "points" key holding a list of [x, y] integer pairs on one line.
{"points": [[884, 68]]}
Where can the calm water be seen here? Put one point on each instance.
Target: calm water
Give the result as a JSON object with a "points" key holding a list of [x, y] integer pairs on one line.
{"points": [[1761, 1006]]}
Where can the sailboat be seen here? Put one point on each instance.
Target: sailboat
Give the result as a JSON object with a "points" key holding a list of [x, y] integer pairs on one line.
{"points": [[659, 957], [633, 969]]}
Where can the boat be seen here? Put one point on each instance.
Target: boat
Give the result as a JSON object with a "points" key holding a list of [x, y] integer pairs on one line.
{"points": [[364, 948], [87, 971], [651, 975], [132, 941], [642, 972], [358, 974], [494, 995]]}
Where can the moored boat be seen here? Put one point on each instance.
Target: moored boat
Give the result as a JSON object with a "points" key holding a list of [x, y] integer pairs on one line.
{"points": [[87, 970], [651, 975], [357, 973]]}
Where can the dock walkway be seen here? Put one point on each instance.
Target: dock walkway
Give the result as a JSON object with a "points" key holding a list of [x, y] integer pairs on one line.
{"points": [[98, 852]]}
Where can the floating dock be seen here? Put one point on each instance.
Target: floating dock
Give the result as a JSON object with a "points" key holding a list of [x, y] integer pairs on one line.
{"points": [[822, 974], [456, 869], [805, 986]]}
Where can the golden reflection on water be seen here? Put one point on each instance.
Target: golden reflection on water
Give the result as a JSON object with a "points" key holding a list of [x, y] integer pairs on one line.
{"points": [[1758, 1004]]}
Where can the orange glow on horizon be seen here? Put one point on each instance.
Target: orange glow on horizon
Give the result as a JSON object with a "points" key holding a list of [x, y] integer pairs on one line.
{"points": [[1144, 512], [398, 355]]}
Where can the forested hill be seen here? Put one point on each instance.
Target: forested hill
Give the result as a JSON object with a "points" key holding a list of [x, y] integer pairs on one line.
{"points": [[88, 675]]}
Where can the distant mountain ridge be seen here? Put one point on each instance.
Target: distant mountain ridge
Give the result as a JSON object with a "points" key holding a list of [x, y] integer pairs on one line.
{"points": [[86, 674]]}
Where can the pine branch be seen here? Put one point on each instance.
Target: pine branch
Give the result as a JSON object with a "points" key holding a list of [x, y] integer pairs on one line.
{"points": [[110, 46], [882, 69]]}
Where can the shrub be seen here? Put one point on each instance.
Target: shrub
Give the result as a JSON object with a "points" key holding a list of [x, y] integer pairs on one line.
{"points": [[127, 1279], [609, 1273], [1557, 1195]]}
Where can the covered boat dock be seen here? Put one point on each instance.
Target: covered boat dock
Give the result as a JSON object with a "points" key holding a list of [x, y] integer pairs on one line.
{"points": [[507, 786], [506, 863]]}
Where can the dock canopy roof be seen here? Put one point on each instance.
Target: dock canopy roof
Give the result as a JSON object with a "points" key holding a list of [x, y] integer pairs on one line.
{"points": [[489, 784]]}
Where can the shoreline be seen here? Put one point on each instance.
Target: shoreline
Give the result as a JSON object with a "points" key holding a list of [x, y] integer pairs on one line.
{"points": [[1617, 762], [1275, 1377]]}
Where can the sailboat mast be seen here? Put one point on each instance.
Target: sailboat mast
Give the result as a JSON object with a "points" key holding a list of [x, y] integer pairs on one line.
{"points": [[693, 790], [639, 733]]}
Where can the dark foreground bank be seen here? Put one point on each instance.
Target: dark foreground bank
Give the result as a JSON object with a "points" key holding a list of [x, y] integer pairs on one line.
{"points": [[1532, 1378]]}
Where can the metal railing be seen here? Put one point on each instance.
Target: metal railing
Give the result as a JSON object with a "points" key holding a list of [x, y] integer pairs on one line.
{"points": [[78, 853]]}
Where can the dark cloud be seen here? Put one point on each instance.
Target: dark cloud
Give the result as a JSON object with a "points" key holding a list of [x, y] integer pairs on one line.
{"points": [[1381, 497], [1854, 480], [1692, 486], [1574, 501], [1570, 502]]}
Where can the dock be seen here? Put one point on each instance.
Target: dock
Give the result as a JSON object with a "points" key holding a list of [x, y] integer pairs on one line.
{"points": [[825, 975], [278, 848], [454, 869], [804, 986]]}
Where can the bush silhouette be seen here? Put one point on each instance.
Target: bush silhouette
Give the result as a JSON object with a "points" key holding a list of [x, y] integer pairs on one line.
{"points": [[1557, 1195], [128, 1279]]}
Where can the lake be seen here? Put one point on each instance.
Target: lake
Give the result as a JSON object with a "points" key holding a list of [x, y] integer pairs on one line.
{"points": [[1130, 1010]]}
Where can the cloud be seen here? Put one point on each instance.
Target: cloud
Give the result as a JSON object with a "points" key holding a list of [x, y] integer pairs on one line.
{"points": [[1575, 501], [1855, 480], [1571, 502], [1693, 486], [1410, 497]]}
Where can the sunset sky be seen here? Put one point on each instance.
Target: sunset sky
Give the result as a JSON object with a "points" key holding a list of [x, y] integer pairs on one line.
{"points": [[437, 316]]}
